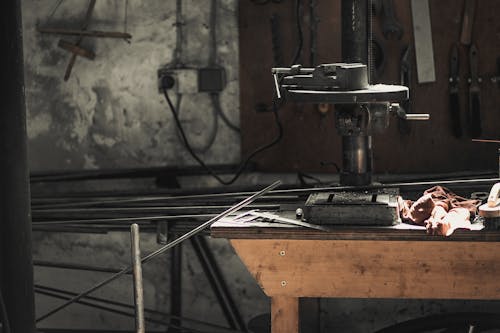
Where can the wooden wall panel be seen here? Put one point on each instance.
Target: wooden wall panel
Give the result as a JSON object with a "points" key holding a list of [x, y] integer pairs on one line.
{"points": [[310, 137]]}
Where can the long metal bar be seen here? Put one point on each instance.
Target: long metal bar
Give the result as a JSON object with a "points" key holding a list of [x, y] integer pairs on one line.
{"points": [[88, 33], [65, 265], [16, 267], [216, 280], [126, 219], [135, 249], [146, 310], [112, 310], [285, 194], [161, 250], [141, 211]]}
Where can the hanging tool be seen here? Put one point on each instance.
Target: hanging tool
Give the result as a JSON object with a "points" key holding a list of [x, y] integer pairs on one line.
{"points": [[474, 112], [390, 26], [85, 25], [467, 22], [75, 49], [422, 34], [453, 83], [405, 80]]}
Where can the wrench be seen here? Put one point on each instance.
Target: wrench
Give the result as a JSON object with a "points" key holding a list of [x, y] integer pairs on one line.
{"points": [[390, 26]]}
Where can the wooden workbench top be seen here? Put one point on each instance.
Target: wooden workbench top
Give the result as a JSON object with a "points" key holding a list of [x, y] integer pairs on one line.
{"points": [[228, 228]]}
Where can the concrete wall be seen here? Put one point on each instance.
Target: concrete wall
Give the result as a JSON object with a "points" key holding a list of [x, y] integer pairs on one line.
{"points": [[109, 113]]}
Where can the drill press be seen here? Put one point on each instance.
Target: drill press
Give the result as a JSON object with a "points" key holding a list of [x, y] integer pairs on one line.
{"points": [[361, 110]]}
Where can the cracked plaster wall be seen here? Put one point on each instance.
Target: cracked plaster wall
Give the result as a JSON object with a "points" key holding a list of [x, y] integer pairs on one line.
{"points": [[109, 113]]}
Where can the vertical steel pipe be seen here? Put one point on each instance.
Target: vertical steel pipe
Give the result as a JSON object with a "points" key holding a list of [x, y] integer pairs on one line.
{"points": [[354, 30], [140, 326], [356, 146], [16, 268]]}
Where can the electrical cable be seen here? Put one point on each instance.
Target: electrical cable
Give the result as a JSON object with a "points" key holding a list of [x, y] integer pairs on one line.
{"points": [[213, 130], [244, 164], [212, 62], [4, 315], [177, 63], [216, 105]]}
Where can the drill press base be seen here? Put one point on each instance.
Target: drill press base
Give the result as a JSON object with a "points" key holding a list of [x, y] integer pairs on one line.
{"points": [[377, 207]]}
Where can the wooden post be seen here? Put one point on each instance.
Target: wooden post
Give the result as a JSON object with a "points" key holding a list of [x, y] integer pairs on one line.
{"points": [[16, 267], [284, 314]]}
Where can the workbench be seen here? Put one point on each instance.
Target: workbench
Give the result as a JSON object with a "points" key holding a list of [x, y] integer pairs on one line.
{"points": [[362, 262]]}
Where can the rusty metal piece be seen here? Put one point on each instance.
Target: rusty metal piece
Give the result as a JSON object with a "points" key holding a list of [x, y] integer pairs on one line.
{"points": [[76, 49], [86, 23], [85, 33]]}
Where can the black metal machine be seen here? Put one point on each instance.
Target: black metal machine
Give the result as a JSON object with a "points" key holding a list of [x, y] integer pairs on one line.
{"points": [[361, 110]]}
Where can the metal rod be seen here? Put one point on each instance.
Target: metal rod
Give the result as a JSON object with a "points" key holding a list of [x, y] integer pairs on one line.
{"points": [[146, 310], [161, 250], [140, 211], [88, 33], [65, 265], [290, 192], [126, 219], [485, 140], [111, 310], [216, 280], [135, 250], [153, 199]]}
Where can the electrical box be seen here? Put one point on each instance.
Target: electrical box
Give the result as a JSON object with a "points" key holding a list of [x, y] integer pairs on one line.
{"points": [[185, 80]]}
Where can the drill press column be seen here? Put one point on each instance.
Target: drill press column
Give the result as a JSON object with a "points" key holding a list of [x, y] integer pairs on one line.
{"points": [[356, 143]]}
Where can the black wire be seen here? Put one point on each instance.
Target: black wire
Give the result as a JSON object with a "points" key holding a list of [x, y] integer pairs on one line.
{"points": [[299, 32], [5, 317], [244, 164], [213, 128], [216, 105]]}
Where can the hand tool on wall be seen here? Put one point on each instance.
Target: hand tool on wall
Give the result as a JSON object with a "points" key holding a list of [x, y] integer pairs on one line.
{"points": [[390, 26], [454, 102], [467, 21], [474, 112], [422, 34], [75, 48], [85, 25]]}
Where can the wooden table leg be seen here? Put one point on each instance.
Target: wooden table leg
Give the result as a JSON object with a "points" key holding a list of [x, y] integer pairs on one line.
{"points": [[284, 314]]}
